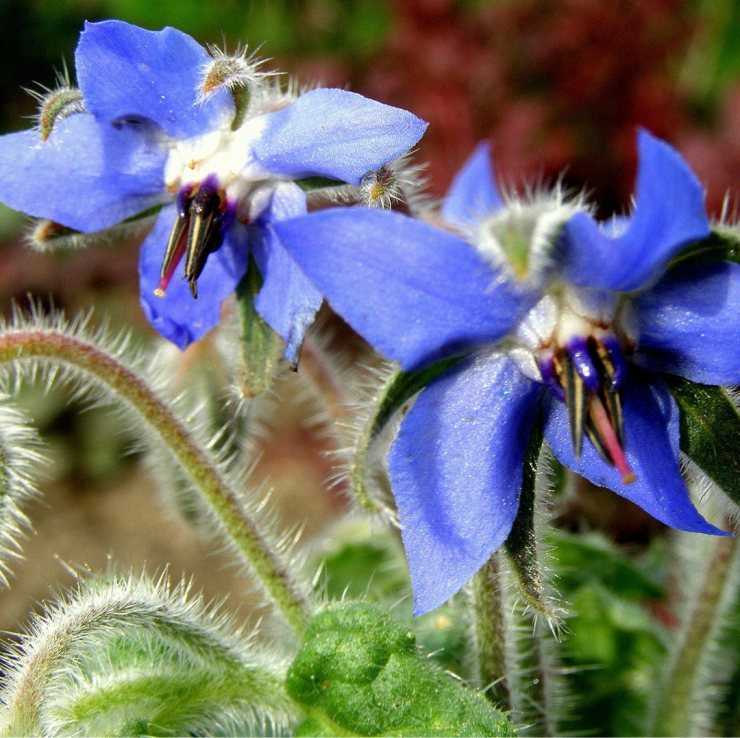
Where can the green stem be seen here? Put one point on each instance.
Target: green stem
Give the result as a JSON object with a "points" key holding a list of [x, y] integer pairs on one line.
{"points": [[489, 633], [222, 499], [676, 704]]}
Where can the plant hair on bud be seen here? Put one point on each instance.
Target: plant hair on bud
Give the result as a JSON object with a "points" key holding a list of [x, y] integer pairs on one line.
{"points": [[57, 103]]}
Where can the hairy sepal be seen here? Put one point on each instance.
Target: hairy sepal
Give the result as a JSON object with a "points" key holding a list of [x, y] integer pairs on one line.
{"points": [[261, 347], [722, 244], [359, 673], [710, 432], [524, 548], [394, 388], [46, 235]]}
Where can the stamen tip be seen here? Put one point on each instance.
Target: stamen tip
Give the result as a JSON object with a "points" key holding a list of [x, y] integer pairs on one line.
{"points": [[629, 477], [159, 292]]}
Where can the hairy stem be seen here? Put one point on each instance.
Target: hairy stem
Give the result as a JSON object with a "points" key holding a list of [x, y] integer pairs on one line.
{"points": [[489, 633], [138, 643], [195, 461], [675, 705]]}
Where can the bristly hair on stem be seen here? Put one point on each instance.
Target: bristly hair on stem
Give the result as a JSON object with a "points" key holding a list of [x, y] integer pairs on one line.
{"points": [[127, 655], [20, 457], [53, 349]]}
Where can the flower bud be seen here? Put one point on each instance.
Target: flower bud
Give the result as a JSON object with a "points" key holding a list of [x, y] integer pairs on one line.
{"points": [[55, 105], [238, 73]]}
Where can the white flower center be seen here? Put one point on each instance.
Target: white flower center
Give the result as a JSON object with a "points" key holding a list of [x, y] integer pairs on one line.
{"points": [[228, 157], [566, 314]]}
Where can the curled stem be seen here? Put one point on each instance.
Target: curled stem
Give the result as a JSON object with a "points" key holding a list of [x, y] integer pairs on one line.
{"points": [[83, 356]]}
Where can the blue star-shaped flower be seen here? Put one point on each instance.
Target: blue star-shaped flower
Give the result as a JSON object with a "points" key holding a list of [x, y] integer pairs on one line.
{"points": [[152, 129], [560, 318]]}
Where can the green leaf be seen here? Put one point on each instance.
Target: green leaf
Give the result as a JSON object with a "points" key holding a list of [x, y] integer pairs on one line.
{"points": [[261, 346], [366, 561], [359, 672], [392, 394], [710, 432]]}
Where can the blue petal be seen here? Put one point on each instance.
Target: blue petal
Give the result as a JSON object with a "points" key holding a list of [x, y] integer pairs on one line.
{"points": [[413, 291], [287, 301], [338, 134], [178, 316], [651, 423], [669, 213], [689, 324], [456, 473], [473, 194], [86, 176], [127, 71]]}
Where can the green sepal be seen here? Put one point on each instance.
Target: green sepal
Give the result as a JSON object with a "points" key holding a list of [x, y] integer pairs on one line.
{"points": [[261, 347], [398, 388], [522, 546], [710, 431], [309, 184], [722, 244], [46, 235], [360, 673], [404, 386]]}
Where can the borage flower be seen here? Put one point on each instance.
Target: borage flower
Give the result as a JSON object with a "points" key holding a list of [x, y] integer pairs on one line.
{"points": [[560, 320], [158, 119]]}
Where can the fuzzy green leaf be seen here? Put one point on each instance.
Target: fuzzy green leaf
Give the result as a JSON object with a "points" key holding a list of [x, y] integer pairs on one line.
{"points": [[261, 346], [710, 432], [359, 671]]}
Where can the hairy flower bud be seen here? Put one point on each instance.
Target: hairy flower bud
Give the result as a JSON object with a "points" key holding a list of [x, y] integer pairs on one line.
{"points": [[55, 105], [238, 73]]}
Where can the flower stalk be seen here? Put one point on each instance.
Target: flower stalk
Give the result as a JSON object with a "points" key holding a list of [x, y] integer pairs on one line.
{"points": [[676, 702], [489, 633], [222, 499]]}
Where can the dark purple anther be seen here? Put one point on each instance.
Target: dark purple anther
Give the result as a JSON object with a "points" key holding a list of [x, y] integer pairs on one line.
{"points": [[550, 379], [616, 357], [581, 357], [184, 198]]}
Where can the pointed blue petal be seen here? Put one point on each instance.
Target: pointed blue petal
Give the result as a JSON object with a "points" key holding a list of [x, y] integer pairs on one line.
{"points": [[473, 194], [337, 134], [414, 292], [456, 472], [669, 213], [127, 71], [288, 301], [651, 426], [85, 176], [689, 324], [178, 316]]}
